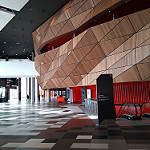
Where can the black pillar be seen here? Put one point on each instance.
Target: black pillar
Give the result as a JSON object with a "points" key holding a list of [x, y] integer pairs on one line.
{"points": [[38, 95], [30, 88], [106, 108], [19, 89], [33, 89], [7, 93]]}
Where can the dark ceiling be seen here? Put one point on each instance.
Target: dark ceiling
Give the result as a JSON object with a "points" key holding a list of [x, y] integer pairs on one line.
{"points": [[16, 38]]}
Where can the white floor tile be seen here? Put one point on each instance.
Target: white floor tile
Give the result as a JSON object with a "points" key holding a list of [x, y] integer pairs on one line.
{"points": [[84, 137], [13, 145], [46, 145], [31, 143]]}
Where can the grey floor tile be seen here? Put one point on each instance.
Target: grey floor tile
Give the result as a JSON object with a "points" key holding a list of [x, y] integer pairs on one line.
{"points": [[84, 137], [98, 146], [80, 145]]}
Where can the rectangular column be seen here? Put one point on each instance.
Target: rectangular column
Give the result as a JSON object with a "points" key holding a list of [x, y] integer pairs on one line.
{"points": [[33, 89], [19, 89], [48, 94], [106, 108], [30, 88]]}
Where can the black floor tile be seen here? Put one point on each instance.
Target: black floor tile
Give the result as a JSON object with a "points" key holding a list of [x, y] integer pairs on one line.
{"points": [[63, 144], [61, 130], [76, 128], [114, 132], [99, 137], [50, 141], [70, 136]]}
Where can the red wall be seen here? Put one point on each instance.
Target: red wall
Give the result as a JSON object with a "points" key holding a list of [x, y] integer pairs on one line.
{"points": [[93, 90], [126, 92], [131, 92], [77, 94]]}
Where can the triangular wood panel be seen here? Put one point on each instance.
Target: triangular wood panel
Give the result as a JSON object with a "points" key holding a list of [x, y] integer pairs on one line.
{"points": [[137, 19], [71, 59], [88, 5], [85, 39], [96, 52], [110, 45], [144, 70], [49, 34], [56, 28], [117, 47], [73, 9], [69, 82], [76, 79], [76, 20], [82, 52], [123, 28], [68, 68]]}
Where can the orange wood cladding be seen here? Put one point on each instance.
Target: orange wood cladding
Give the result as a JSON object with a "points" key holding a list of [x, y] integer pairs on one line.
{"points": [[120, 47], [69, 19]]}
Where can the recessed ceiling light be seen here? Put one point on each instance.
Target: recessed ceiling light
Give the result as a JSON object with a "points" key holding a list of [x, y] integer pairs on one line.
{"points": [[5, 42], [3, 51], [13, 4], [30, 7], [16, 54]]}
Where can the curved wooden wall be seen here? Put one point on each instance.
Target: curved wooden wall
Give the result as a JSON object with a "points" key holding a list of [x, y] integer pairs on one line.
{"points": [[120, 47], [70, 18]]}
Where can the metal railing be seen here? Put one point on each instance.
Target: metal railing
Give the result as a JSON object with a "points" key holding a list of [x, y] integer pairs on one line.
{"points": [[91, 105]]}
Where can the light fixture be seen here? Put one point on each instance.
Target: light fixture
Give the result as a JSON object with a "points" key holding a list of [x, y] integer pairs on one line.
{"points": [[5, 17], [13, 4]]}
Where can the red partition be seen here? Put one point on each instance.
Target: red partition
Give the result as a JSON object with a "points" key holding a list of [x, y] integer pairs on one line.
{"points": [[93, 90], [60, 99], [51, 93], [125, 92], [77, 94], [131, 92]]}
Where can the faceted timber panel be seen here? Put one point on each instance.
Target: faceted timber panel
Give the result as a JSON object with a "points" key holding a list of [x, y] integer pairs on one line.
{"points": [[82, 52], [104, 48], [69, 19], [124, 27]]}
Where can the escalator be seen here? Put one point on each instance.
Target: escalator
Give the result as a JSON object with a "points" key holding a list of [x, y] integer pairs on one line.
{"points": [[129, 111], [132, 111], [146, 110]]}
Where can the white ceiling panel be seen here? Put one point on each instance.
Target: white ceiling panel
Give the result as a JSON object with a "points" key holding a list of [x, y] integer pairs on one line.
{"points": [[13, 4], [5, 17], [10, 69]]}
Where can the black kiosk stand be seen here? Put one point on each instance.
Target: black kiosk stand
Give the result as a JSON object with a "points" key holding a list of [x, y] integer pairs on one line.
{"points": [[106, 108]]}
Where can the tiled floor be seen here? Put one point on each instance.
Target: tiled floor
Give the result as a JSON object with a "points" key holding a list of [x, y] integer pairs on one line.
{"points": [[45, 126]]}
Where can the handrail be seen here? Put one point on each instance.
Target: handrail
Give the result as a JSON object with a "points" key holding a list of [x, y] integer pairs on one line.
{"points": [[128, 104], [90, 98]]}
